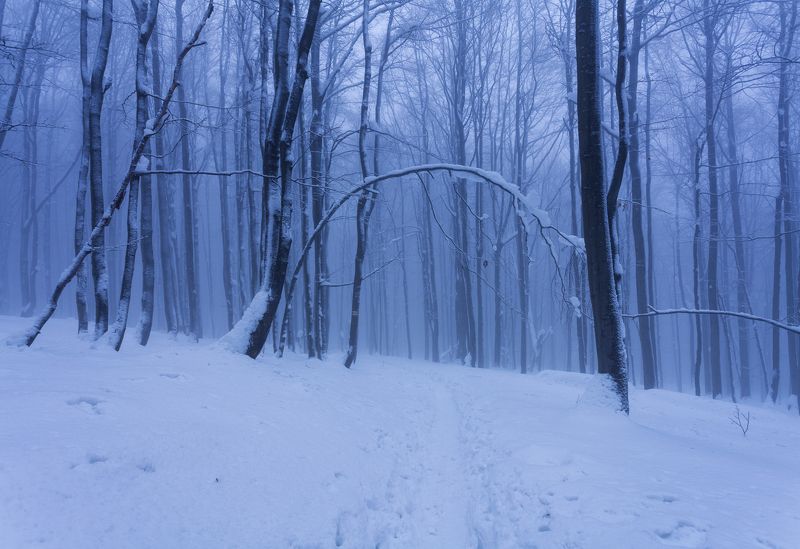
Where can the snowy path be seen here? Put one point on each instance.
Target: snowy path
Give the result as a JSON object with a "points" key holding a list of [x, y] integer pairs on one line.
{"points": [[182, 445]]}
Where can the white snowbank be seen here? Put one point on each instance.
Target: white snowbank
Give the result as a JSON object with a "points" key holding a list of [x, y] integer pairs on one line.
{"points": [[186, 445]]}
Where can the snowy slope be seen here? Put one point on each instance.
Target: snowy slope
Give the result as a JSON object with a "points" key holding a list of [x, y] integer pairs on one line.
{"points": [[184, 445]]}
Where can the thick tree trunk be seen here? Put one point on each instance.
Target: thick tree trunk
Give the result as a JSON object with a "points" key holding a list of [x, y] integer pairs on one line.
{"points": [[608, 329]]}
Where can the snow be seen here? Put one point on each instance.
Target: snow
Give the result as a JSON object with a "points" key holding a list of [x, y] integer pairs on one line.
{"points": [[576, 304], [149, 127], [143, 164], [238, 338], [188, 445]]}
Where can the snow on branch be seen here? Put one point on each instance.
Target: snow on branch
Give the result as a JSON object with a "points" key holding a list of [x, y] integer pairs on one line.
{"points": [[655, 312]]}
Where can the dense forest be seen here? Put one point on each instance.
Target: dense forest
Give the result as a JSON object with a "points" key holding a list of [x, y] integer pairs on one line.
{"points": [[517, 184]]}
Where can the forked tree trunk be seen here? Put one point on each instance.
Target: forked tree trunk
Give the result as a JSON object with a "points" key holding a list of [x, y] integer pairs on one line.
{"points": [[145, 14]]}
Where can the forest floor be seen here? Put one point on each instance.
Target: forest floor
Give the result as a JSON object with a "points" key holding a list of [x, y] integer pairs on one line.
{"points": [[186, 445]]}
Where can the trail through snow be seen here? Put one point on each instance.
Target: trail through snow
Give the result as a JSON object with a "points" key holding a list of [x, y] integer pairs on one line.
{"points": [[187, 445]]}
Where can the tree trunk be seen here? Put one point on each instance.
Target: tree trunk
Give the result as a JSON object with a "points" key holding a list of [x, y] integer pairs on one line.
{"points": [[81, 279], [365, 202], [649, 366], [165, 190], [611, 359], [190, 251], [145, 14], [741, 278], [709, 24], [96, 95]]}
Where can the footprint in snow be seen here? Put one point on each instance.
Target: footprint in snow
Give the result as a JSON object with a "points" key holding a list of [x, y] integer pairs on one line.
{"points": [[172, 376], [94, 459], [666, 498], [683, 534], [146, 467], [87, 404]]}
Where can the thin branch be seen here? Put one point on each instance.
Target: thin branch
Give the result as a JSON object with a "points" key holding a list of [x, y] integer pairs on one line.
{"points": [[775, 323]]}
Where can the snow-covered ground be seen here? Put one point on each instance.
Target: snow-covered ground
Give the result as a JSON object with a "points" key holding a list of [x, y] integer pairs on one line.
{"points": [[187, 445]]}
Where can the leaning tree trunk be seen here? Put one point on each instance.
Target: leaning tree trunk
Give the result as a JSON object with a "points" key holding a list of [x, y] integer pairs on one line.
{"points": [[608, 328]]}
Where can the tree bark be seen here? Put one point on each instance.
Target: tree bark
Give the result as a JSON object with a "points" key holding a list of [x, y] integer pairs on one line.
{"points": [[611, 359], [190, 251], [145, 14], [96, 96], [645, 325], [366, 202]]}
